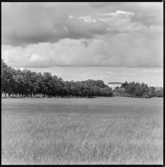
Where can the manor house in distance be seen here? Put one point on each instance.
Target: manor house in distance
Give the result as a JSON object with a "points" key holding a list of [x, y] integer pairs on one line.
{"points": [[113, 85]]}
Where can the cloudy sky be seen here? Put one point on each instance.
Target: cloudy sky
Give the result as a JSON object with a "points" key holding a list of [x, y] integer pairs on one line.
{"points": [[114, 42]]}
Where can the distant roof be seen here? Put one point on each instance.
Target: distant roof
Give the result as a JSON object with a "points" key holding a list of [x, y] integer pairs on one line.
{"points": [[114, 83]]}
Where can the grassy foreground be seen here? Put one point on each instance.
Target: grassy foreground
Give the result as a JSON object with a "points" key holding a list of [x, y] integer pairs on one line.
{"points": [[114, 130]]}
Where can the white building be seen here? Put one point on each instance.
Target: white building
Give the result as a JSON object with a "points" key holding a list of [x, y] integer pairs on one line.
{"points": [[113, 85]]}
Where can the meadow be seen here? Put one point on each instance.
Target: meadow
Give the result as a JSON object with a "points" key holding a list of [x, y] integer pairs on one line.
{"points": [[112, 130]]}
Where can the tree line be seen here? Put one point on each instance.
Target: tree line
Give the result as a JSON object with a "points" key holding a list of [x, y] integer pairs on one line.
{"points": [[25, 83], [136, 89]]}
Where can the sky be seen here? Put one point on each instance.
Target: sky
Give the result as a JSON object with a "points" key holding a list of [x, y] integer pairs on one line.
{"points": [[111, 41]]}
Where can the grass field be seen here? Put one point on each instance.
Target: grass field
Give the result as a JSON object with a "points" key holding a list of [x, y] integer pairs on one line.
{"points": [[113, 130]]}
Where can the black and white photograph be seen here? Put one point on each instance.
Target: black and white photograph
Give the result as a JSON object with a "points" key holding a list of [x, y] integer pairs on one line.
{"points": [[82, 83]]}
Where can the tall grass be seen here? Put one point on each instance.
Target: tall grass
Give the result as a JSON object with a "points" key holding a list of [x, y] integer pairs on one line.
{"points": [[82, 131]]}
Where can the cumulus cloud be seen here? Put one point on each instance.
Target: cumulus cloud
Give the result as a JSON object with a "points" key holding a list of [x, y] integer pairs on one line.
{"points": [[61, 34], [26, 23], [100, 52], [87, 19], [85, 43], [117, 13], [145, 13], [36, 60]]}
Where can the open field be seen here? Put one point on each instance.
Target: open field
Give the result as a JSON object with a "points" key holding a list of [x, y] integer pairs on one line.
{"points": [[113, 130]]}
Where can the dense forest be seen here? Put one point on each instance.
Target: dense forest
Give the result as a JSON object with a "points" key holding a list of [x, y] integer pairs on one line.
{"points": [[25, 83], [136, 89]]}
